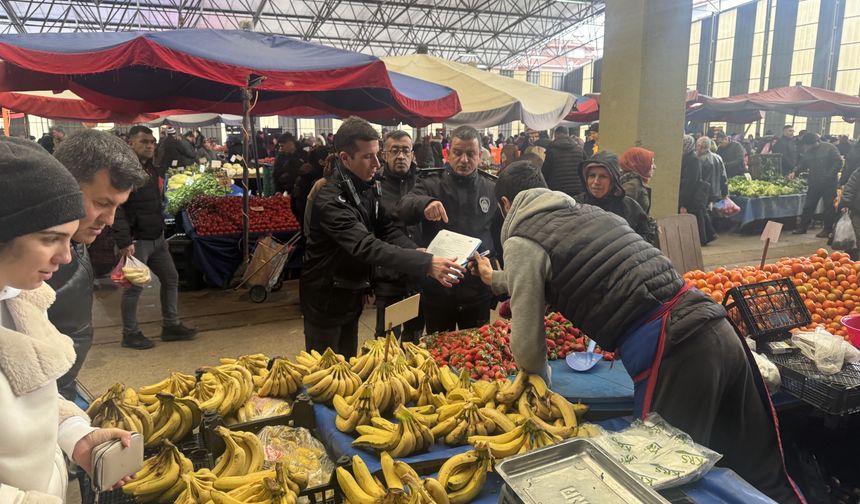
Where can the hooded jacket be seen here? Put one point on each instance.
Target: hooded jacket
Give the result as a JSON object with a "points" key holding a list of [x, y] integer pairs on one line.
{"points": [[561, 166], [593, 268], [616, 201], [38, 425]]}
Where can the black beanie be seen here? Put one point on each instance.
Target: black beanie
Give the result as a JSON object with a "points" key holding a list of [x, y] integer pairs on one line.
{"points": [[37, 193]]}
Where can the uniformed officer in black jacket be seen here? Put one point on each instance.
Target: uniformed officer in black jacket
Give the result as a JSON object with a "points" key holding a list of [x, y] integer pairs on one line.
{"points": [[349, 232], [399, 174], [458, 198]]}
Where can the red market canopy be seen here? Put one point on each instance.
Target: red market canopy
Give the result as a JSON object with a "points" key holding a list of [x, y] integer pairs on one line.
{"points": [[205, 71], [792, 100], [69, 107], [587, 108]]}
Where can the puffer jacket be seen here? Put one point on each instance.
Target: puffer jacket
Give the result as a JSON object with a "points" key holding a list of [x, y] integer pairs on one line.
{"points": [[175, 149], [140, 217], [634, 187], [604, 277], [561, 167], [345, 241], [616, 201], [394, 186], [851, 200]]}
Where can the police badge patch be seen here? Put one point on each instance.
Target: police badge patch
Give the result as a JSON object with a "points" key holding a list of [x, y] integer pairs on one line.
{"points": [[485, 204]]}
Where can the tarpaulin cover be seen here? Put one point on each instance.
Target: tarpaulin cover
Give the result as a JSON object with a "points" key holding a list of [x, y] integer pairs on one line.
{"points": [[488, 99], [605, 388], [66, 106], [203, 71], [700, 114], [587, 108], [772, 207], [793, 100]]}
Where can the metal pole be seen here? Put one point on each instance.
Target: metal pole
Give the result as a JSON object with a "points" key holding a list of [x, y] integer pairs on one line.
{"points": [[246, 200], [256, 155], [767, 11]]}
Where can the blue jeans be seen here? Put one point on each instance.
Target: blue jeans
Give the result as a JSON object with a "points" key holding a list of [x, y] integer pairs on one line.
{"points": [[156, 255]]}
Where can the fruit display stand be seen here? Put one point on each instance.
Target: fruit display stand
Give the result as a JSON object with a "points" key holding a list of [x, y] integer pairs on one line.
{"points": [[214, 226], [767, 207]]}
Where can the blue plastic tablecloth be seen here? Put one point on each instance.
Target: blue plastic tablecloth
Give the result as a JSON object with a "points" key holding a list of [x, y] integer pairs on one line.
{"points": [[218, 257], [773, 207], [605, 388]]}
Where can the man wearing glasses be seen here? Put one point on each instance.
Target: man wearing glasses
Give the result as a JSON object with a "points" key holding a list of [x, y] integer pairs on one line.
{"points": [[399, 174], [459, 199]]}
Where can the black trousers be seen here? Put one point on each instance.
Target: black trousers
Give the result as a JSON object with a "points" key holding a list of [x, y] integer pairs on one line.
{"points": [[66, 383], [343, 339], [410, 331], [813, 194], [439, 317], [705, 388]]}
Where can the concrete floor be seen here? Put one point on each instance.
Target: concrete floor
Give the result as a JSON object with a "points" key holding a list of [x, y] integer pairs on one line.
{"points": [[231, 325]]}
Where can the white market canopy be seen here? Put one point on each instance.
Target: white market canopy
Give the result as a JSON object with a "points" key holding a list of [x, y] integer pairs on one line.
{"points": [[487, 99]]}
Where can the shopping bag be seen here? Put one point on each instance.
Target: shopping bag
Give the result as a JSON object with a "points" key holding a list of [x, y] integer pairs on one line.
{"points": [[726, 207], [843, 234], [117, 276], [136, 272]]}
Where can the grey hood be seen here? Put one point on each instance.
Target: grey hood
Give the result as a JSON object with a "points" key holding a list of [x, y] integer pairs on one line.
{"points": [[534, 201]]}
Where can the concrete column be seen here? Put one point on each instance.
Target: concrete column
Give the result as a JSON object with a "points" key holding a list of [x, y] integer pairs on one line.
{"points": [[643, 87]]}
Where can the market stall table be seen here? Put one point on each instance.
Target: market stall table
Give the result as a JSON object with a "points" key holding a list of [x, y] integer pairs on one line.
{"points": [[218, 257], [770, 207]]}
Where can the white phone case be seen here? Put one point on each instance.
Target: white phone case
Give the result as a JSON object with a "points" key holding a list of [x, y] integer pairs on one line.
{"points": [[112, 461]]}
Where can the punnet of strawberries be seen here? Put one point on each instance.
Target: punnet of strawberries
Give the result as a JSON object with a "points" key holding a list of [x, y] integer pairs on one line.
{"points": [[485, 351]]}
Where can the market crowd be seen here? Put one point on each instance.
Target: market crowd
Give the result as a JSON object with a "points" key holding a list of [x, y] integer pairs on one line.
{"points": [[565, 224]]}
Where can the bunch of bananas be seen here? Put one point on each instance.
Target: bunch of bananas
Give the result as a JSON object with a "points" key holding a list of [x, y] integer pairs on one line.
{"points": [[481, 392], [426, 395], [315, 361], [464, 475], [390, 389], [136, 275], [117, 391], [451, 381], [415, 355], [177, 384], [118, 413], [357, 410], [370, 356], [409, 436], [174, 419], [223, 389], [431, 370], [459, 421], [276, 486], [523, 438], [322, 385], [198, 486], [159, 480], [243, 453], [257, 364], [309, 360], [283, 380], [402, 484]]}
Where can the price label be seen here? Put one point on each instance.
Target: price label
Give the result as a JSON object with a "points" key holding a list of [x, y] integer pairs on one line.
{"points": [[216, 163], [771, 231], [402, 311], [202, 168], [174, 163], [233, 158], [256, 209]]}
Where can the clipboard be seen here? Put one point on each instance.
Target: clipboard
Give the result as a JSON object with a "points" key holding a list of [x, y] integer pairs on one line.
{"points": [[402, 311], [454, 245]]}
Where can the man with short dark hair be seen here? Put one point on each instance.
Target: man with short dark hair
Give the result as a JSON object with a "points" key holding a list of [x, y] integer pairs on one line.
{"points": [[287, 165], [348, 233], [688, 363], [592, 136], [787, 146], [175, 152], [106, 170], [821, 162], [139, 232], [732, 154], [399, 174], [458, 198], [561, 165]]}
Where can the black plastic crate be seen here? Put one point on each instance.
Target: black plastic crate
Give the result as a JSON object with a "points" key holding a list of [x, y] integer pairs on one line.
{"points": [[766, 310], [837, 394]]}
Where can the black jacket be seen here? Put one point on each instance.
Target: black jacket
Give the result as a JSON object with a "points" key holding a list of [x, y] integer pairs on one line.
{"points": [[851, 193], [694, 192], [286, 169], [788, 148], [714, 173], [388, 282], [822, 163], [141, 218], [635, 188], [345, 241], [616, 201], [72, 312], [471, 207], [175, 149], [561, 166], [733, 158]]}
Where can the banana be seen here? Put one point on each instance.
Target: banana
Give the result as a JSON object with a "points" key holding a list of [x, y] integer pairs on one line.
{"points": [[458, 461], [149, 488], [513, 392], [234, 461], [436, 490], [448, 379], [253, 448], [222, 498], [364, 478], [392, 480], [233, 482], [341, 407], [501, 421], [567, 410], [473, 487], [351, 489]]}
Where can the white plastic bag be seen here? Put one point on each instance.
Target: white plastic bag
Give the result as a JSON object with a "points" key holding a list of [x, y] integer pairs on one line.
{"points": [[843, 234], [824, 349], [769, 373]]}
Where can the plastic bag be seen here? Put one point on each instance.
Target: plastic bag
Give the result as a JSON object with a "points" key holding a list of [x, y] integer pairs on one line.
{"points": [[297, 447], [117, 276], [843, 234], [824, 349], [261, 407], [136, 272], [769, 373], [658, 454], [726, 207]]}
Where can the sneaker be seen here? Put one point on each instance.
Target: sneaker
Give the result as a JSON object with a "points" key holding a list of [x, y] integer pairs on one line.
{"points": [[137, 341], [177, 333], [799, 231], [823, 234]]}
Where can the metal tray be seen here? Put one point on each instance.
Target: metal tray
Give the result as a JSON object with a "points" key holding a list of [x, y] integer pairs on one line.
{"points": [[575, 471]]}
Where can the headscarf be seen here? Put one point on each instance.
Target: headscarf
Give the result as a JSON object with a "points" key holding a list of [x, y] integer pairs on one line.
{"points": [[637, 160], [689, 144]]}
